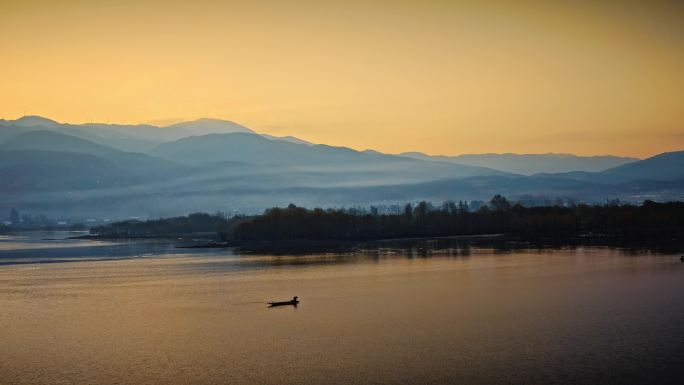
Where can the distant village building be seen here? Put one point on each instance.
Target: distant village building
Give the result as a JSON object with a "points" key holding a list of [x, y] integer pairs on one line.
{"points": [[61, 223]]}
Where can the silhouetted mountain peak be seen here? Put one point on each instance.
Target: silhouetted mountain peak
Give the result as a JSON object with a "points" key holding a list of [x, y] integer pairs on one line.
{"points": [[35, 121], [210, 126]]}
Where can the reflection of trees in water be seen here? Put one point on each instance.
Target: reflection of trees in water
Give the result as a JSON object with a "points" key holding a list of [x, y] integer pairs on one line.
{"points": [[415, 248]]}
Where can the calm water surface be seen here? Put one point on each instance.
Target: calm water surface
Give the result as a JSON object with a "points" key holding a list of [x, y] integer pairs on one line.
{"points": [[120, 313]]}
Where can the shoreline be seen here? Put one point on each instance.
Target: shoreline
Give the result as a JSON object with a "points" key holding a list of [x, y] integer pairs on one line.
{"points": [[503, 241]]}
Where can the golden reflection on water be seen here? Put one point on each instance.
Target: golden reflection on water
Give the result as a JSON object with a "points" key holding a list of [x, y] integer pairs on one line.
{"points": [[526, 317]]}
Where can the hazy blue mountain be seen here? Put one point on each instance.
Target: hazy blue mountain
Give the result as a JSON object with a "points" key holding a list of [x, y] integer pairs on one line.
{"points": [[144, 131], [250, 148], [210, 126], [31, 121], [527, 189], [353, 166], [133, 163], [9, 128], [132, 138], [61, 169], [156, 135], [24, 172], [98, 134], [529, 164], [252, 192], [129, 145], [7, 132], [573, 175], [174, 131], [52, 141], [668, 166], [288, 138]]}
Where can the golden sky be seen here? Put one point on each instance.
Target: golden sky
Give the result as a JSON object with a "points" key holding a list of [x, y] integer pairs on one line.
{"points": [[442, 77]]}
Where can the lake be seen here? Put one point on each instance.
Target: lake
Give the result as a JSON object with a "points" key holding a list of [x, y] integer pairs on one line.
{"points": [[423, 312]]}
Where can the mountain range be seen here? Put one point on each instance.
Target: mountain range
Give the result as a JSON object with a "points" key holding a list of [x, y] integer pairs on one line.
{"points": [[530, 164], [109, 170]]}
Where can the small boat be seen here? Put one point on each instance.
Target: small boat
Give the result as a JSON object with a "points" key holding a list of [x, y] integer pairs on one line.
{"points": [[292, 302]]}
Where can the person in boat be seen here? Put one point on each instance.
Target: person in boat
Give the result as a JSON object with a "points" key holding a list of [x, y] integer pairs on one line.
{"points": [[294, 302]]}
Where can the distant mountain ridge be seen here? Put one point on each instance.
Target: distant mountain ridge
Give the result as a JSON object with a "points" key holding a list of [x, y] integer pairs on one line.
{"points": [[56, 168], [48, 141], [53, 141], [33, 121], [137, 137], [665, 166], [530, 164]]}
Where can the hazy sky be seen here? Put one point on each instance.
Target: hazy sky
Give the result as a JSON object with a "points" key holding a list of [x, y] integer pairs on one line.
{"points": [[443, 77]]}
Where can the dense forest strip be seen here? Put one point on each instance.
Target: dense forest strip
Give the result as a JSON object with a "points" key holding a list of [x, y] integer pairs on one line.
{"points": [[164, 227], [650, 220]]}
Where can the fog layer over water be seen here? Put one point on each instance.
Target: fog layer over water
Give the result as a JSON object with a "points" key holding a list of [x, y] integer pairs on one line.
{"points": [[372, 315]]}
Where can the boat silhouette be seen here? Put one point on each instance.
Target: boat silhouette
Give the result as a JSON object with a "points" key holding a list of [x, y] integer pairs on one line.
{"points": [[293, 302]]}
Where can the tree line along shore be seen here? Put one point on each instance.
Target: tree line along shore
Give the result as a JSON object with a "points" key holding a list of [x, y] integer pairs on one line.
{"points": [[649, 221]]}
